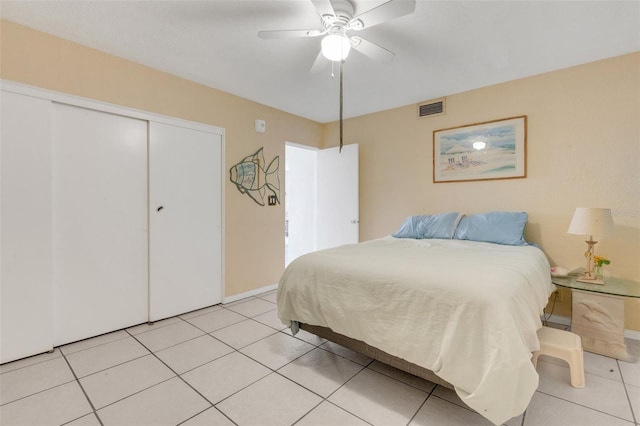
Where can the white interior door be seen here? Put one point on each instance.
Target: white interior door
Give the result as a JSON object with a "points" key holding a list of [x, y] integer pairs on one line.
{"points": [[300, 200], [99, 222], [185, 220], [25, 227], [338, 214]]}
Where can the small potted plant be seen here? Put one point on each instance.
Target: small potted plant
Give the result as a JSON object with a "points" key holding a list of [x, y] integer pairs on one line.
{"points": [[598, 261]]}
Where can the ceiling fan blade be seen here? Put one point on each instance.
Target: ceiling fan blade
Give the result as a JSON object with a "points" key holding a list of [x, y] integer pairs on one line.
{"points": [[385, 12], [319, 64], [323, 7], [372, 50], [289, 34]]}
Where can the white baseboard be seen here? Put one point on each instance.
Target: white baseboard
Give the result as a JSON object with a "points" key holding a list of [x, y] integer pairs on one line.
{"points": [[632, 334], [235, 297], [557, 319]]}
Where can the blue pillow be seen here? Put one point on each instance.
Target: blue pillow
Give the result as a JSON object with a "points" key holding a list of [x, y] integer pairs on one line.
{"points": [[494, 227], [429, 226]]}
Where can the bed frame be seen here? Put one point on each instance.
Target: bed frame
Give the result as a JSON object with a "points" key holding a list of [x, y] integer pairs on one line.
{"points": [[375, 353]]}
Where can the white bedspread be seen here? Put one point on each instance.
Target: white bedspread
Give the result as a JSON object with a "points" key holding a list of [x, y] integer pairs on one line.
{"points": [[466, 310]]}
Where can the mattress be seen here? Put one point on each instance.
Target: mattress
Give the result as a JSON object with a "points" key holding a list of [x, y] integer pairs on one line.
{"points": [[466, 310]]}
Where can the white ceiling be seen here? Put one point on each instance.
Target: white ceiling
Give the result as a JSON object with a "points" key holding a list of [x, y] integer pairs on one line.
{"points": [[445, 47]]}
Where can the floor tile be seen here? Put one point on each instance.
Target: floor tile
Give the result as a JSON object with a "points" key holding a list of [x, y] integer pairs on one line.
{"points": [[88, 420], [223, 377], [634, 398], [438, 412], [407, 378], [167, 403], [143, 328], [82, 345], [54, 406], [346, 353], [243, 333], [602, 366], [25, 362], [216, 320], [276, 350], [307, 337], [193, 353], [320, 371], [450, 395], [630, 372], [545, 410], [270, 296], [109, 386], [105, 356], [379, 399], [210, 417], [327, 414], [253, 307], [236, 302], [601, 394], [168, 336], [130, 386], [271, 319], [515, 421], [199, 312], [272, 400], [17, 384]]}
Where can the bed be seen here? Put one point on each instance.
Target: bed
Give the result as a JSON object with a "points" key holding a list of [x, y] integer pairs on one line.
{"points": [[433, 301]]}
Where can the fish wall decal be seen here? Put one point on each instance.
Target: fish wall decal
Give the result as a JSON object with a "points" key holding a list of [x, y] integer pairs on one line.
{"points": [[252, 179]]}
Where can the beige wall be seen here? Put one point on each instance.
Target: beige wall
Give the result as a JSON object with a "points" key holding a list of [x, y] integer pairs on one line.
{"points": [[583, 151], [254, 255]]}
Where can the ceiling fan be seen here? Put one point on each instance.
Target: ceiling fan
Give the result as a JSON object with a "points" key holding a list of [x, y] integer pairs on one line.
{"points": [[338, 21]]}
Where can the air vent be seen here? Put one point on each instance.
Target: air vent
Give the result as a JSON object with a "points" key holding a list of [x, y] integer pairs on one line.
{"points": [[431, 108]]}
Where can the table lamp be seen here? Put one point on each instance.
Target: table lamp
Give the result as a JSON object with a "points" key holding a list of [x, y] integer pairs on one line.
{"points": [[590, 221]]}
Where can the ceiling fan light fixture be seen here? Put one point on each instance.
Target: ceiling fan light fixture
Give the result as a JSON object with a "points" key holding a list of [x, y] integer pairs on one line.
{"points": [[335, 47]]}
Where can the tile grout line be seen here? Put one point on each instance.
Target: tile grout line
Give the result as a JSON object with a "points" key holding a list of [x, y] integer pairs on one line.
{"points": [[95, 412], [89, 338], [31, 365], [206, 409], [367, 366], [226, 326], [626, 391], [182, 379], [422, 404], [584, 406]]}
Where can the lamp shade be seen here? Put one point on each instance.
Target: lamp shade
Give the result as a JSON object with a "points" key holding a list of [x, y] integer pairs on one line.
{"points": [[590, 221], [335, 47]]}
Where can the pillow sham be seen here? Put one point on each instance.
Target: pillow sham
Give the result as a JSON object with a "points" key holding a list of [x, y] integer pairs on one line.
{"points": [[440, 225], [494, 227]]}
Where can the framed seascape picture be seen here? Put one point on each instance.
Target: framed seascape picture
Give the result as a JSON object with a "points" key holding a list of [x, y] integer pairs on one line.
{"points": [[481, 151]]}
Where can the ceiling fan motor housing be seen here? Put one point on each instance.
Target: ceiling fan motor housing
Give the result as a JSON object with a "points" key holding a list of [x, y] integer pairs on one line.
{"points": [[343, 10]]}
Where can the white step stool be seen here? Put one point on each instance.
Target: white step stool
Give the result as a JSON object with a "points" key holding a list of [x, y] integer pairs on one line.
{"points": [[564, 345]]}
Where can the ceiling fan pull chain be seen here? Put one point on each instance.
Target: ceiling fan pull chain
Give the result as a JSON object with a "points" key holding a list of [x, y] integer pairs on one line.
{"points": [[341, 69]]}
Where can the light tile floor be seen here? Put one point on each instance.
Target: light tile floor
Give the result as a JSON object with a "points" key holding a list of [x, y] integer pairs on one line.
{"points": [[237, 364]]}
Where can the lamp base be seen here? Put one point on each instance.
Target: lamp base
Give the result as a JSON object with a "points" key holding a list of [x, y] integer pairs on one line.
{"points": [[587, 279]]}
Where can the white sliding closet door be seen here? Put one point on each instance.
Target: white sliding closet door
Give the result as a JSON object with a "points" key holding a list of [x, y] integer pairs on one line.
{"points": [[185, 219], [100, 277], [25, 227]]}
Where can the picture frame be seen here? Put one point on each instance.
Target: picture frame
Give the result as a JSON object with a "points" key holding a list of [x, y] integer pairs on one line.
{"points": [[488, 150]]}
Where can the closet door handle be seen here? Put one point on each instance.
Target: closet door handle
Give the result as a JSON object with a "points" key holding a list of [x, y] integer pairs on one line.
{"points": [[159, 208]]}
